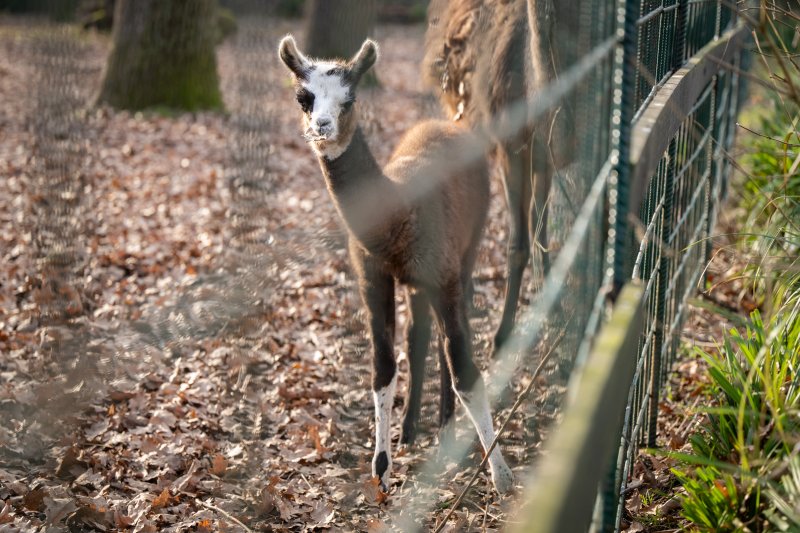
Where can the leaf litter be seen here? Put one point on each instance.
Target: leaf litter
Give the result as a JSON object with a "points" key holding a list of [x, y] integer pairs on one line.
{"points": [[199, 363]]}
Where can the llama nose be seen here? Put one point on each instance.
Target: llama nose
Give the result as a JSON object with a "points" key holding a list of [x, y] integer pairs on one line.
{"points": [[323, 124]]}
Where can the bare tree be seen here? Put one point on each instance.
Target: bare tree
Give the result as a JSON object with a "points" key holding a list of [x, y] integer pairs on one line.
{"points": [[163, 55], [336, 28]]}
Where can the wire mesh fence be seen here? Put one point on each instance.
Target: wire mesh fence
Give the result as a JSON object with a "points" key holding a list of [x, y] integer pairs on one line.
{"points": [[617, 62], [679, 206]]}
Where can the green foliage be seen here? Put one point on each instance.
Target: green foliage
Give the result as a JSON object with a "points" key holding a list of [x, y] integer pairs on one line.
{"points": [[771, 192], [713, 501], [754, 376], [784, 513], [750, 436], [744, 472]]}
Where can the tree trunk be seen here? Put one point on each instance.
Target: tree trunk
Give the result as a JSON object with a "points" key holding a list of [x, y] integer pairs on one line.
{"points": [[336, 28], [163, 55]]}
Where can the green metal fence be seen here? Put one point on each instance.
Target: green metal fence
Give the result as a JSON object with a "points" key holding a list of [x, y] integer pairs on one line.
{"points": [[677, 119]]}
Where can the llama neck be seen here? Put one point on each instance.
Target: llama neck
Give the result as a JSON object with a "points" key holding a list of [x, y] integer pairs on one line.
{"points": [[370, 204]]}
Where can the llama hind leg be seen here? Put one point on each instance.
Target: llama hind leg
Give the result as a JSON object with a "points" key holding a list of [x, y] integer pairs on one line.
{"points": [[468, 383], [419, 337], [541, 175], [517, 183], [447, 401]]}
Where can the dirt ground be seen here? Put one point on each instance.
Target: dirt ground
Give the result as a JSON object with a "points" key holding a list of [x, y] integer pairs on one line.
{"points": [[182, 348]]}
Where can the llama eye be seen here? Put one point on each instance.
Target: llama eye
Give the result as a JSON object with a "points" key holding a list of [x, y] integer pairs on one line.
{"points": [[347, 105], [306, 100]]}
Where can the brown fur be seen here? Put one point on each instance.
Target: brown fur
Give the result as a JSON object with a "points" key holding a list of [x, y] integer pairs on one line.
{"points": [[423, 224], [482, 57], [416, 222], [419, 223]]}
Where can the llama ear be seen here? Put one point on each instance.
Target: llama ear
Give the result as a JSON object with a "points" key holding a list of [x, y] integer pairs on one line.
{"points": [[364, 59], [292, 58]]}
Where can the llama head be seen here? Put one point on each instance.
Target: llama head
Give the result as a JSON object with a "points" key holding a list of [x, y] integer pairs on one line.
{"points": [[326, 92]]}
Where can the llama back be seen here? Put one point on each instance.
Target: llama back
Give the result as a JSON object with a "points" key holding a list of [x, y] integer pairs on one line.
{"points": [[439, 162], [433, 149], [477, 57]]}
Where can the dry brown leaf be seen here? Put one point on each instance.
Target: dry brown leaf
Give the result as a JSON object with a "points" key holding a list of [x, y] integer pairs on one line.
{"points": [[162, 500], [322, 514], [121, 520], [57, 509], [70, 466], [5, 514], [371, 489], [34, 500], [313, 432], [219, 464], [635, 527]]}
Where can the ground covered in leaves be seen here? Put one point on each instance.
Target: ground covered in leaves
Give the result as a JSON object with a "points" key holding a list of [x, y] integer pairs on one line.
{"points": [[182, 346]]}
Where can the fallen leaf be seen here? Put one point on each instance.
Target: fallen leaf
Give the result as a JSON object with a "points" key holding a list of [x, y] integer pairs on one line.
{"points": [[122, 521], [219, 464], [457, 525], [34, 500], [313, 432], [5, 514], [371, 488], [635, 527], [57, 509], [322, 514], [70, 466], [670, 505], [162, 500]]}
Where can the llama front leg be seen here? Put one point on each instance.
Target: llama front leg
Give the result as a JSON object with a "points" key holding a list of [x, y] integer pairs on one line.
{"points": [[468, 383], [377, 290]]}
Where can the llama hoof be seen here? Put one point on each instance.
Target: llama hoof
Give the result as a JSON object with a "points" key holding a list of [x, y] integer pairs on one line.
{"points": [[502, 478], [381, 468], [408, 435]]}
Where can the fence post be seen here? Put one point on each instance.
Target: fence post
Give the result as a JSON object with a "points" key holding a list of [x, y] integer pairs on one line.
{"points": [[625, 86]]}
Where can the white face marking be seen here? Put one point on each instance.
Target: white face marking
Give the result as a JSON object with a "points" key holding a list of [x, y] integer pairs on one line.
{"points": [[384, 398], [477, 407], [331, 94]]}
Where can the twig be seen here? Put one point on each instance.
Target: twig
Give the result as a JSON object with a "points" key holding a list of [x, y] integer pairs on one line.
{"points": [[779, 141], [511, 413], [225, 513], [306, 480]]}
